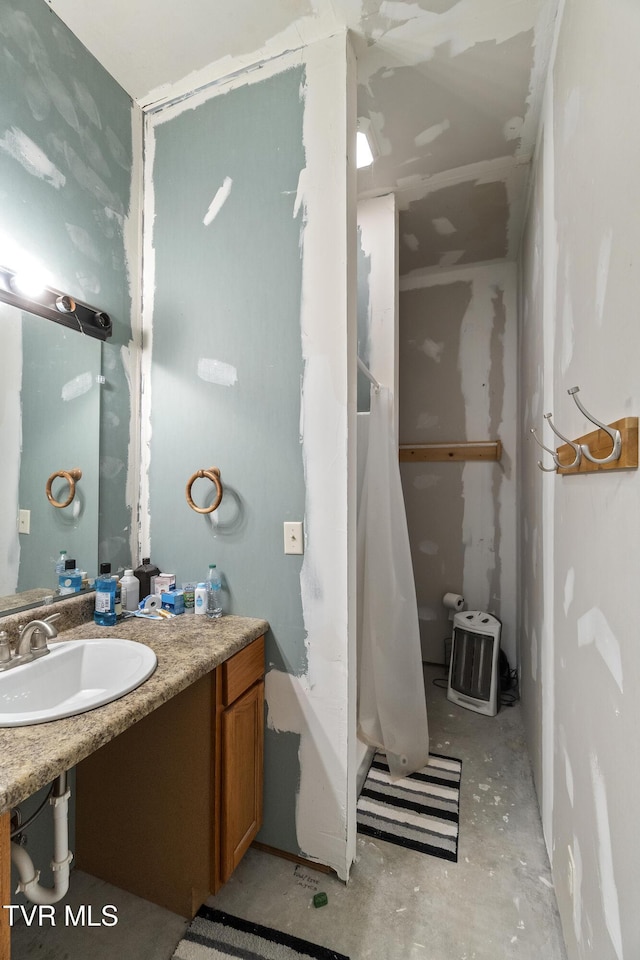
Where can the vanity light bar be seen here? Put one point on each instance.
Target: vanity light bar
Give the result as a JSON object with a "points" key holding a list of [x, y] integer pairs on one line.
{"points": [[57, 306]]}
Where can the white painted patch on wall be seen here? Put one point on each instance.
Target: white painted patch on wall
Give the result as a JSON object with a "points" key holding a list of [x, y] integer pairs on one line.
{"points": [[568, 770], [606, 872], [86, 102], [111, 467], [594, 629], [534, 654], [377, 122], [411, 241], [432, 349], [431, 133], [216, 371], [569, 584], [417, 32], [18, 145], [88, 282], [426, 613], [450, 258], [427, 420], [77, 387], [512, 129], [429, 547], [400, 11], [604, 258], [426, 481], [443, 226], [83, 242], [216, 205], [575, 855], [116, 148]]}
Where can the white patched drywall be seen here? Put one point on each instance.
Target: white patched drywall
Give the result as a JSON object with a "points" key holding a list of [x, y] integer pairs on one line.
{"points": [[318, 706], [482, 545], [580, 289]]}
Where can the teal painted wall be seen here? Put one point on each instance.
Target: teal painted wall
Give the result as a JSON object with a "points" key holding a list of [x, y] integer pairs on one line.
{"points": [[231, 292], [65, 191], [60, 401]]}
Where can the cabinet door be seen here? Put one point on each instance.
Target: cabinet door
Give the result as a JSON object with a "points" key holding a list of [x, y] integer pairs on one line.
{"points": [[242, 764]]}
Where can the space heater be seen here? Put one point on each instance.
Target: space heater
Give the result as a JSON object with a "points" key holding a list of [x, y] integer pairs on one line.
{"points": [[474, 681]]}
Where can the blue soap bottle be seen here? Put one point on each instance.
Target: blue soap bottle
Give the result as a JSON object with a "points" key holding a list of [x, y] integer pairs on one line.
{"points": [[105, 612]]}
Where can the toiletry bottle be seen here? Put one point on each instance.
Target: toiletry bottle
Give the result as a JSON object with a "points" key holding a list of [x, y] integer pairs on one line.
{"points": [[130, 588], [200, 606], [70, 580], [60, 562], [214, 593], [105, 612], [144, 572]]}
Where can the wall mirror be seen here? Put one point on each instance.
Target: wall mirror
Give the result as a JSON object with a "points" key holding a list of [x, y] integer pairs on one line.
{"points": [[50, 382]]}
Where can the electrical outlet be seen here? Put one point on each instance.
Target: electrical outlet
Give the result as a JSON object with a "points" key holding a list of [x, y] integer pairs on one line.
{"points": [[293, 537], [24, 521]]}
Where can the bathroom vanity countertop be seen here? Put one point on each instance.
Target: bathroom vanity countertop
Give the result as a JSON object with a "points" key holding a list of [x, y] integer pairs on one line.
{"points": [[186, 648]]}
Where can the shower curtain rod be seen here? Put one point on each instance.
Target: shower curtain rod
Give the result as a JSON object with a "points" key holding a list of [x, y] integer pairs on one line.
{"points": [[365, 369]]}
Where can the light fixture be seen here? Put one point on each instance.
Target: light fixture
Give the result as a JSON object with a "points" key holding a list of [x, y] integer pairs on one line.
{"points": [[367, 146], [364, 155], [27, 291]]}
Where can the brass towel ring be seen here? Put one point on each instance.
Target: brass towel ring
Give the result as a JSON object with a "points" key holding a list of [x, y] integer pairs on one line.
{"points": [[72, 477], [212, 474]]}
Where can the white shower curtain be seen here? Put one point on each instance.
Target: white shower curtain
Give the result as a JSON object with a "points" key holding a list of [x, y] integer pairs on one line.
{"points": [[392, 711]]}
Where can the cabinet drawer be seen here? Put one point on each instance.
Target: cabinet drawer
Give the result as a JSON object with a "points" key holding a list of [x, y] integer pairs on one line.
{"points": [[242, 670]]}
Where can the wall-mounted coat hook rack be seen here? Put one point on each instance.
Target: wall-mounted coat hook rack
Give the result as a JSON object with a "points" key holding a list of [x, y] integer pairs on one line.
{"points": [[616, 436], [532, 431], [577, 449], [612, 446]]}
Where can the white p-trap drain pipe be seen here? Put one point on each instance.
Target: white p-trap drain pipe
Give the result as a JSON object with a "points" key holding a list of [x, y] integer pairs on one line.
{"points": [[29, 877]]}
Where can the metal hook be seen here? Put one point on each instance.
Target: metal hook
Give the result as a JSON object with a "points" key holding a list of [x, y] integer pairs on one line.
{"points": [[576, 446], [552, 452], [616, 437]]}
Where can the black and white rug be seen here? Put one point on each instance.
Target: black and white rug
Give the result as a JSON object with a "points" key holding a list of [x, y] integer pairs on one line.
{"points": [[213, 935], [421, 812]]}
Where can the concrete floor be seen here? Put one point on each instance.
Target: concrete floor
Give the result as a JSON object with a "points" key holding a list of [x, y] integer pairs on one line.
{"points": [[496, 903]]}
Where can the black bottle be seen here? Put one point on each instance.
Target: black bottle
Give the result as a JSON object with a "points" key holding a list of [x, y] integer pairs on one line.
{"points": [[144, 572]]}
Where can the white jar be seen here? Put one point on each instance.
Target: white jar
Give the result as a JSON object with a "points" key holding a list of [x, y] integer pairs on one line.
{"points": [[130, 591], [200, 599]]}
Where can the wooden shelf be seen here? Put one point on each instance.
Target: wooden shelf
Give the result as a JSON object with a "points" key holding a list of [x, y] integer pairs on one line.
{"points": [[599, 444], [455, 452]]}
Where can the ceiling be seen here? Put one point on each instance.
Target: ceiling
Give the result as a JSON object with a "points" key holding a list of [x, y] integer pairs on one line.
{"points": [[450, 91]]}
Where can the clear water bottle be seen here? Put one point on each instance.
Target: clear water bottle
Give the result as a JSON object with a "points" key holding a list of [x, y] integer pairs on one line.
{"points": [[60, 563], [214, 593]]}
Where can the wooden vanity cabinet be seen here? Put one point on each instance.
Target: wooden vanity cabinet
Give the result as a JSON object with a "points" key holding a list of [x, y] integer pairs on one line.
{"points": [[168, 808]]}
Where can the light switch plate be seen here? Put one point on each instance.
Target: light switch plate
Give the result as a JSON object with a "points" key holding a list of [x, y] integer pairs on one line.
{"points": [[293, 537], [24, 521]]}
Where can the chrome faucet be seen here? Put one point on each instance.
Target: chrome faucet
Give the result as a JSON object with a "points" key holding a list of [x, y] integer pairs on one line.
{"points": [[31, 645]]}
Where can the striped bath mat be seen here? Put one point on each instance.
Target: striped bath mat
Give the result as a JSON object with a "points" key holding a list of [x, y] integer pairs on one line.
{"points": [[213, 935], [420, 812]]}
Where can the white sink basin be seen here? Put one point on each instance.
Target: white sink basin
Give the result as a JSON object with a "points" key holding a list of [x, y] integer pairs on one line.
{"points": [[77, 675]]}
